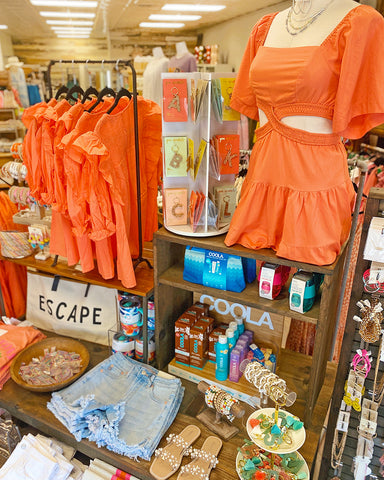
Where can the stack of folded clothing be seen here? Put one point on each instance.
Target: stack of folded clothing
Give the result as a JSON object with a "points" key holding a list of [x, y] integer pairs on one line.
{"points": [[120, 404], [99, 470], [38, 457], [13, 339]]}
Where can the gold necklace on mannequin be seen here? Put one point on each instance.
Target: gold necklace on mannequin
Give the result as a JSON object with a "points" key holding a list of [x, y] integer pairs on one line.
{"points": [[293, 29]]}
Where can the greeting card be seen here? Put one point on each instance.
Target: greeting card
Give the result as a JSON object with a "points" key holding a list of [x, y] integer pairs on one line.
{"points": [[199, 157], [176, 156], [175, 100], [225, 200], [227, 85], [228, 151], [176, 206]]}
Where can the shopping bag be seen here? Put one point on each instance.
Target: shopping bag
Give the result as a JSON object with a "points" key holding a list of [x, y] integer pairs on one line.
{"points": [[72, 309]]}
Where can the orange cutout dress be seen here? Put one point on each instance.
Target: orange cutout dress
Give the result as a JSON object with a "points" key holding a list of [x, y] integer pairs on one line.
{"points": [[297, 197]]}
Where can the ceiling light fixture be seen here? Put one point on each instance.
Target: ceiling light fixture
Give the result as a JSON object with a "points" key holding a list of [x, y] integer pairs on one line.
{"points": [[70, 22], [180, 18], [161, 25], [189, 7], [70, 29], [68, 35], [68, 14], [65, 3], [3, 27]]}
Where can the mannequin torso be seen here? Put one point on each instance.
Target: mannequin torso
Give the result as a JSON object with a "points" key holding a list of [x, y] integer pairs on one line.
{"points": [[313, 35], [181, 49]]}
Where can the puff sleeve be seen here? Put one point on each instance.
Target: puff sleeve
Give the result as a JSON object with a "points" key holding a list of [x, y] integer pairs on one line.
{"points": [[359, 103], [243, 97]]}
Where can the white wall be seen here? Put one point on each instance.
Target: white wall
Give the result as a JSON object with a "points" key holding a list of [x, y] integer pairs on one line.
{"points": [[232, 36], [6, 48]]}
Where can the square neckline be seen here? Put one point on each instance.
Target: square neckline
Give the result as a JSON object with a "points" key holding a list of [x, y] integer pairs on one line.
{"points": [[328, 37]]}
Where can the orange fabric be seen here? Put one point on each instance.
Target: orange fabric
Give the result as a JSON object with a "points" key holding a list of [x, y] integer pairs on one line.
{"points": [[61, 228], [76, 199], [11, 343], [110, 149], [13, 278], [297, 197]]}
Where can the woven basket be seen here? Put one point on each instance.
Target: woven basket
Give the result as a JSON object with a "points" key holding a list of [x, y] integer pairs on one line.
{"points": [[15, 244]]}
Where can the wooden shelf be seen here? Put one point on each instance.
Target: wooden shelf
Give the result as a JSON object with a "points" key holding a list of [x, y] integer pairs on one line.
{"points": [[144, 275], [249, 296], [242, 390], [173, 296], [264, 254], [31, 408]]}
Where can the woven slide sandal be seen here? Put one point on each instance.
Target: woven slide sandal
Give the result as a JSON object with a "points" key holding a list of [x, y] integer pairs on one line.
{"points": [[203, 460], [168, 459]]}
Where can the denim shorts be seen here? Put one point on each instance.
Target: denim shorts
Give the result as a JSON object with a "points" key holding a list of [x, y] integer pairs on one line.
{"points": [[121, 404]]}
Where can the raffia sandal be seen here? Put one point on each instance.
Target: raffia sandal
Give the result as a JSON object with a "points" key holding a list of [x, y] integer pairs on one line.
{"points": [[168, 459], [203, 460]]}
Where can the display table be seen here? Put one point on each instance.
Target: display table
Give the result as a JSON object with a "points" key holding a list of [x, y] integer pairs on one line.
{"points": [[31, 408]]}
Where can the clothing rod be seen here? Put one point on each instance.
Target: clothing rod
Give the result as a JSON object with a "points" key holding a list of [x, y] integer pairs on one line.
{"points": [[118, 62], [371, 147]]}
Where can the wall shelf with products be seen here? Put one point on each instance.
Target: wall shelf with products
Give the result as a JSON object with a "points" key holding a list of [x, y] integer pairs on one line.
{"points": [[173, 296]]}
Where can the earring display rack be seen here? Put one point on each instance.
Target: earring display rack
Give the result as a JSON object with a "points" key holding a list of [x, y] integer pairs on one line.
{"points": [[351, 343]]}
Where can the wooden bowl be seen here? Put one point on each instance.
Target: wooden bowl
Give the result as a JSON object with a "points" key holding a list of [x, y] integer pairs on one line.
{"points": [[37, 349]]}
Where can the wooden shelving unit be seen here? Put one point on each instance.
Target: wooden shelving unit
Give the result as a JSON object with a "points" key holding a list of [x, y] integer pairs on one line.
{"points": [[173, 295]]}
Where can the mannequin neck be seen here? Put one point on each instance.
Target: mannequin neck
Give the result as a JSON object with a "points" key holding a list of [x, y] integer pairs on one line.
{"points": [[158, 52], [304, 9], [181, 49]]}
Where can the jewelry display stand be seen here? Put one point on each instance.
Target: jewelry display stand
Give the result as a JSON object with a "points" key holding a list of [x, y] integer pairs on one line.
{"points": [[272, 429], [216, 421]]}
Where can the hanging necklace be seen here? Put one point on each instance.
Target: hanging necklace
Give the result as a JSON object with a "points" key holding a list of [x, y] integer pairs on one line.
{"points": [[295, 30]]}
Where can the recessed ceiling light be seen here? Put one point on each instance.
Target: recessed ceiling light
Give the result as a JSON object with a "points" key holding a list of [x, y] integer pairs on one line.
{"points": [[75, 35], [64, 3], [3, 27], [83, 23], [161, 25], [180, 18], [68, 14], [72, 29], [189, 7]]}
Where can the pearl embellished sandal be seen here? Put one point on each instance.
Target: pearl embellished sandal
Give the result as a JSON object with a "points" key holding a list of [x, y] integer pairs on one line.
{"points": [[168, 459], [203, 460]]}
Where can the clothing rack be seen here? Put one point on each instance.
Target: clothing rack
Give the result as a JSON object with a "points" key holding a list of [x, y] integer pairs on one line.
{"points": [[127, 63]]}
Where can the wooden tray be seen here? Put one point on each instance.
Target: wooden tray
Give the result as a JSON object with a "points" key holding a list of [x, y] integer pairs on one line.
{"points": [[37, 349]]}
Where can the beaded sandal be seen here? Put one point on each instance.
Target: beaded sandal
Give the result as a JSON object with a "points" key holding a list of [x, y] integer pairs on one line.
{"points": [[168, 459], [203, 460]]}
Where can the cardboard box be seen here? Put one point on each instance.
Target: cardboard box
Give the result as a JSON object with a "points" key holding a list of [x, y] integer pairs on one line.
{"points": [[182, 339], [208, 320], [198, 345]]}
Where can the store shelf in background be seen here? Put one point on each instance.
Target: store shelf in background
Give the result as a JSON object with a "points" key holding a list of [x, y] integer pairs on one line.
{"points": [[249, 296], [144, 275]]}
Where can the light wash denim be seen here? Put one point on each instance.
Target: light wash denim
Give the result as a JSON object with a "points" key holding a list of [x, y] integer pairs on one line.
{"points": [[120, 404]]}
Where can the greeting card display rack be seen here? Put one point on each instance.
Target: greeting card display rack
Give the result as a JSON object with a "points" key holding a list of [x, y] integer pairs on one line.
{"points": [[198, 190]]}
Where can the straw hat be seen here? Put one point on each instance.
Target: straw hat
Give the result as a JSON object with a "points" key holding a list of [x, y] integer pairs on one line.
{"points": [[14, 62]]}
